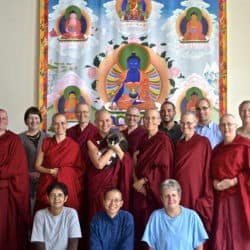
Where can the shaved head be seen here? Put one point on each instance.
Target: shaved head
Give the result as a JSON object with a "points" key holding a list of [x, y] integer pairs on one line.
{"points": [[225, 116], [100, 113], [152, 110]]}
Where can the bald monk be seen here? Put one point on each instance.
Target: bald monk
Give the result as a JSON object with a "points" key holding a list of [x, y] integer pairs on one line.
{"points": [[153, 164], [14, 189], [83, 130], [192, 169], [101, 174], [230, 165], [59, 159], [134, 132]]}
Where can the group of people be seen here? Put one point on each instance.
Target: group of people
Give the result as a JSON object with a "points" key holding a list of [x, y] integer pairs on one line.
{"points": [[81, 183]]}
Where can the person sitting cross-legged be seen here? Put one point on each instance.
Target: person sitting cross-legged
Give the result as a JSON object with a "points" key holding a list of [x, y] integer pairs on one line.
{"points": [[56, 227], [113, 228], [174, 227]]}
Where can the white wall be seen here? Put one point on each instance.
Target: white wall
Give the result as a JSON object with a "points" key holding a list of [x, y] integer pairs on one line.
{"points": [[19, 46], [19, 58], [238, 54]]}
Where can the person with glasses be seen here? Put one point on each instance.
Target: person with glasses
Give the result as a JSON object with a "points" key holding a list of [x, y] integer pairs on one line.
{"points": [[168, 125], [14, 189], [153, 164], [192, 169], [84, 130], [244, 111], [113, 228], [230, 167], [104, 173], [56, 227], [134, 132], [206, 126]]}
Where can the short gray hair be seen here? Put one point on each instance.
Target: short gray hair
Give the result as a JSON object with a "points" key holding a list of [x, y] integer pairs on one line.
{"points": [[172, 185]]}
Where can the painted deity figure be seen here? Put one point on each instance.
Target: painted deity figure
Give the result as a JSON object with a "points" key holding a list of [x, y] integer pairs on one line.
{"points": [[191, 104], [194, 29], [134, 10], [134, 88], [73, 27]]}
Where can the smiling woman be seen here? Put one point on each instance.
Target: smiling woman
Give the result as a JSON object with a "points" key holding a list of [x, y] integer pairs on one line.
{"points": [[32, 139], [174, 226], [59, 159]]}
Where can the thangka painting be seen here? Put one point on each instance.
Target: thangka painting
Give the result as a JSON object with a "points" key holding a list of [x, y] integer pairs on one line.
{"points": [[117, 53]]}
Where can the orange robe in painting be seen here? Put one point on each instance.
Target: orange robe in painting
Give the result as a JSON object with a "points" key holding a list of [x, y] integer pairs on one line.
{"points": [[142, 88]]}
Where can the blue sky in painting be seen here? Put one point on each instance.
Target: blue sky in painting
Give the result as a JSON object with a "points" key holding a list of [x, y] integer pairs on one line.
{"points": [[167, 9]]}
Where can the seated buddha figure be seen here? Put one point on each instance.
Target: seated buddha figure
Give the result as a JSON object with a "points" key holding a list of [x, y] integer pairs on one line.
{"points": [[70, 105], [194, 29], [134, 86], [134, 9], [73, 27]]}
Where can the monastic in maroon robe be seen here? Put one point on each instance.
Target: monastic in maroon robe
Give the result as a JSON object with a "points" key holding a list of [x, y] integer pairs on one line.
{"points": [[192, 170], [154, 162], [81, 137], [99, 180], [231, 226], [66, 156], [14, 193], [134, 138]]}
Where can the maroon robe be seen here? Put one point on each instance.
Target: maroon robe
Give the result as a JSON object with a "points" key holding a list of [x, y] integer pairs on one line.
{"points": [[14, 193], [231, 226], [81, 137], [154, 162], [192, 170], [99, 180], [134, 138], [66, 156]]}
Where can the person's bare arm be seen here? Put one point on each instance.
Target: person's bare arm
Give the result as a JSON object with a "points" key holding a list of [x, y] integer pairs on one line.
{"points": [[40, 168], [199, 247], [40, 245], [73, 244], [117, 149], [99, 161]]}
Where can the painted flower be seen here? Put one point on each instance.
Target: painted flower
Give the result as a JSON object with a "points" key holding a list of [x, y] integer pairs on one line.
{"points": [[174, 72], [92, 72], [133, 39]]}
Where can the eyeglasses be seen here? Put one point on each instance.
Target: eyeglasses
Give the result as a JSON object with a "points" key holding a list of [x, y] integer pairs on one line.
{"points": [[202, 108], [54, 196], [132, 116], [113, 200], [186, 123]]}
